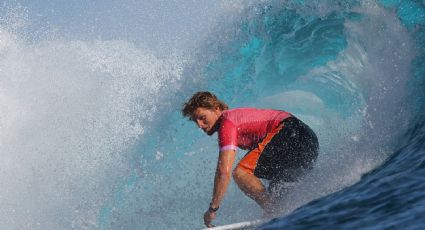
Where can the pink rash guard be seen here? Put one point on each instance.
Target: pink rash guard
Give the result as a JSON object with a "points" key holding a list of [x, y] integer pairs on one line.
{"points": [[246, 127]]}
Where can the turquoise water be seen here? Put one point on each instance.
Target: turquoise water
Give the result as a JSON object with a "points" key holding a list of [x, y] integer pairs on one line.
{"points": [[390, 196], [347, 69]]}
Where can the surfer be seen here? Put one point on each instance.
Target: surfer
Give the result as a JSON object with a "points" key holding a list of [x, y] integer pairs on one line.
{"points": [[281, 148]]}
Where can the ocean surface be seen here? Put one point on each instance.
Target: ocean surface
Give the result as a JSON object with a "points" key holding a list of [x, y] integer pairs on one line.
{"points": [[91, 134]]}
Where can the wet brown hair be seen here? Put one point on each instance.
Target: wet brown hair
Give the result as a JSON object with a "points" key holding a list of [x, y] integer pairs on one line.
{"points": [[202, 99]]}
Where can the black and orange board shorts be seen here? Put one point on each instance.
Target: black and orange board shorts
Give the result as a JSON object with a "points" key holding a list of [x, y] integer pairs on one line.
{"points": [[287, 150]]}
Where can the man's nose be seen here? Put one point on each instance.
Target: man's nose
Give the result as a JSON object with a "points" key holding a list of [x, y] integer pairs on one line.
{"points": [[199, 123]]}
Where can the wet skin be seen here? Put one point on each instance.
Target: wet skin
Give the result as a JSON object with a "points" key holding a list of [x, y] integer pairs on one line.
{"points": [[206, 119]]}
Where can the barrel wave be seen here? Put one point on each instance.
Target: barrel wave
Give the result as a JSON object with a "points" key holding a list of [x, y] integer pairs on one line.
{"points": [[91, 131]]}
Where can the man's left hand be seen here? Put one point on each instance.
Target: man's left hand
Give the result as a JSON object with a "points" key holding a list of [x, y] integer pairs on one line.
{"points": [[208, 217]]}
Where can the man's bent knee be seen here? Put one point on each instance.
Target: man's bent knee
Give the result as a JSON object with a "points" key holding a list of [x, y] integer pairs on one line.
{"points": [[236, 173], [239, 175]]}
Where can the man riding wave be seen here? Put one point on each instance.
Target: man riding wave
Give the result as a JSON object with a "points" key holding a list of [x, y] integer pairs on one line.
{"points": [[281, 148]]}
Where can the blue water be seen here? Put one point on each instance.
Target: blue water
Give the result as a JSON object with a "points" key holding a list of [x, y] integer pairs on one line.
{"points": [[389, 197], [91, 97]]}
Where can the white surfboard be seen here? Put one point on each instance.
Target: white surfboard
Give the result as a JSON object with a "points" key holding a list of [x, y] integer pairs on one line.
{"points": [[240, 225]]}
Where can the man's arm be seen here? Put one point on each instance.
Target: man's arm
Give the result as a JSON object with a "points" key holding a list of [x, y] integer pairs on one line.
{"points": [[221, 181], [223, 174]]}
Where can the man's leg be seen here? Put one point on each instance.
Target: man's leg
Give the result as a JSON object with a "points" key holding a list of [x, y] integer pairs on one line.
{"points": [[252, 187]]}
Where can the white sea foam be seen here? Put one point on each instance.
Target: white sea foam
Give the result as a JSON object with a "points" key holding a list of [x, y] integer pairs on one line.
{"points": [[69, 110]]}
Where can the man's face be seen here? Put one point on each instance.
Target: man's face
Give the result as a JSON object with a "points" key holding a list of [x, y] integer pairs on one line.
{"points": [[206, 119]]}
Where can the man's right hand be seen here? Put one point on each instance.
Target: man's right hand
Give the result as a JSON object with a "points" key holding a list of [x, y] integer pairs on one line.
{"points": [[208, 217]]}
